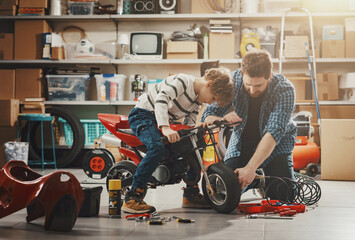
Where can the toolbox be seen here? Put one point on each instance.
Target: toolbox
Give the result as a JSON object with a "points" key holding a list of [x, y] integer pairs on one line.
{"points": [[91, 205]]}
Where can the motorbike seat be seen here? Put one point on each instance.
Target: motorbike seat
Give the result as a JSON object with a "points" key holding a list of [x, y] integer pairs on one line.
{"points": [[127, 131]]}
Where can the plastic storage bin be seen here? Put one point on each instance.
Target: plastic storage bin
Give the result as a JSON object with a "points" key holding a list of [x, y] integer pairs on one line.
{"points": [[93, 129], [110, 87], [333, 32], [91, 204], [81, 8], [280, 5], [67, 87]]}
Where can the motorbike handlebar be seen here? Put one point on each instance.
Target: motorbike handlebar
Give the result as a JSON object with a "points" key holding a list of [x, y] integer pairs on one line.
{"points": [[183, 133]]}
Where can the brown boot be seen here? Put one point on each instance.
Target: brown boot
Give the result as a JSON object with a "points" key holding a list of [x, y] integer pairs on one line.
{"points": [[133, 203], [192, 198]]}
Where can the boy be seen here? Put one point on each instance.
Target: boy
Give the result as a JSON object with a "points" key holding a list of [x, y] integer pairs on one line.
{"points": [[178, 96]]}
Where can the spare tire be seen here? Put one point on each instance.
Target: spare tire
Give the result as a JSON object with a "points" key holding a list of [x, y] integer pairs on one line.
{"points": [[66, 155]]}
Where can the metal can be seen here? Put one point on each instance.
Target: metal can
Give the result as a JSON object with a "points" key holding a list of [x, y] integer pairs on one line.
{"points": [[115, 202]]}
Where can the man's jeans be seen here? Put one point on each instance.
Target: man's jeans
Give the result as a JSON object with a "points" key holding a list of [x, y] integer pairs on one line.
{"points": [[144, 126]]}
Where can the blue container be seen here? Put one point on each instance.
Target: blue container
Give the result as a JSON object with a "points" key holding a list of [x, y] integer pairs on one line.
{"points": [[333, 32]]}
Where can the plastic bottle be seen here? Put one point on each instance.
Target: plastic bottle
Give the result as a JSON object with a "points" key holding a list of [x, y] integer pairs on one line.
{"points": [[102, 93], [205, 46], [114, 191]]}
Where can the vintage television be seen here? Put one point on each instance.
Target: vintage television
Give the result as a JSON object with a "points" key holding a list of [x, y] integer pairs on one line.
{"points": [[146, 45]]}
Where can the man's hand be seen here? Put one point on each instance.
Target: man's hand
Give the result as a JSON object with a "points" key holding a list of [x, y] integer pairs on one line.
{"points": [[210, 120], [172, 135], [232, 117], [246, 175]]}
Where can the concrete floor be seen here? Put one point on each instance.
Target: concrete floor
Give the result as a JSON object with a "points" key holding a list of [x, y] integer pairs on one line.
{"points": [[333, 218]]}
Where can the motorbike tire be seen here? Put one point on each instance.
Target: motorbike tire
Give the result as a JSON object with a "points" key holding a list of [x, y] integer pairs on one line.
{"points": [[223, 140], [78, 137], [122, 170], [225, 185]]}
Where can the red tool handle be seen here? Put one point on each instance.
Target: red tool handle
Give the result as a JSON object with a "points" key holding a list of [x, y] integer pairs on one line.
{"points": [[147, 215], [288, 213]]}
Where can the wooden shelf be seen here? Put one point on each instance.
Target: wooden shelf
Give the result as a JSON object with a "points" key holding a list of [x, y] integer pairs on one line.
{"points": [[91, 103]]}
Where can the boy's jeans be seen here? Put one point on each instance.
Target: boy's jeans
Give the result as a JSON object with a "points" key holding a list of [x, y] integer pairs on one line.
{"points": [[144, 126]]}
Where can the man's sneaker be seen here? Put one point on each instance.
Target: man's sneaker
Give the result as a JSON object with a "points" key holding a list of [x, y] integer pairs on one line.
{"points": [[192, 198], [133, 203]]}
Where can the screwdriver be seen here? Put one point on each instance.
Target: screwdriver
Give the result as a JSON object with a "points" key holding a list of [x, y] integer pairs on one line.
{"points": [[155, 222], [254, 216], [183, 220], [288, 213]]}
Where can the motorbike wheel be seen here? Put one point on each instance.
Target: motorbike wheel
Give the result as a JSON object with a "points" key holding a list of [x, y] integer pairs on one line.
{"points": [[226, 188], [122, 170], [68, 156], [223, 140]]}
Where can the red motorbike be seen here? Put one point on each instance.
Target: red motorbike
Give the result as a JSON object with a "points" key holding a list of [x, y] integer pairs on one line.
{"points": [[219, 184]]}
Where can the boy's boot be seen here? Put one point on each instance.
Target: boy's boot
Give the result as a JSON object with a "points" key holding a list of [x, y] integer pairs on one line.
{"points": [[133, 203], [192, 198]]}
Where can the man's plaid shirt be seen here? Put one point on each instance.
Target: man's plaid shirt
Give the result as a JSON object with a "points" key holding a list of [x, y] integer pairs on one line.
{"points": [[275, 115]]}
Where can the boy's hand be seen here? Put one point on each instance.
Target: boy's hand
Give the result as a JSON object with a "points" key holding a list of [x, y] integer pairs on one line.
{"points": [[172, 135], [210, 120]]}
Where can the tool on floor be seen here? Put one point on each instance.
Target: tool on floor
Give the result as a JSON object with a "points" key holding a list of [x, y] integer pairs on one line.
{"points": [[254, 216], [135, 216], [155, 222], [269, 207], [183, 220]]}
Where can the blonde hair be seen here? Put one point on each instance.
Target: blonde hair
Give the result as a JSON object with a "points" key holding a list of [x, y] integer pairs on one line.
{"points": [[222, 86], [257, 63]]}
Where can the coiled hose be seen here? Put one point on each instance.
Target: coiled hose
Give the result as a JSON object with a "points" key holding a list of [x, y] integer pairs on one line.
{"points": [[303, 190]]}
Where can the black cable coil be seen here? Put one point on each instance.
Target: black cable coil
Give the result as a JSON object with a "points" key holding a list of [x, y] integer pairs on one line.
{"points": [[303, 190]]}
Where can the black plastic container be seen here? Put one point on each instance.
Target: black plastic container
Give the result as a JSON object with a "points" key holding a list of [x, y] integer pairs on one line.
{"points": [[91, 205]]}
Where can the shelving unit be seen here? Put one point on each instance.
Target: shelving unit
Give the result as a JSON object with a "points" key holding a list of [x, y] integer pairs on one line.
{"points": [[190, 66]]}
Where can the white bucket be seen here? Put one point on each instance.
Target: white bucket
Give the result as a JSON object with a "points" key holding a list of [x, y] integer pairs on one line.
{"points": [[16, 151]]}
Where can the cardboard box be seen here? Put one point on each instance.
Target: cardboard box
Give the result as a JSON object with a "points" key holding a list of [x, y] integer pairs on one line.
{"points": [[300, 81], [327, 112], [10, 109], [328, 86], [349, 37], [33, 3], [6, 46], [7, 134], [338, 142], [333, 49], [58, 53], [349, 41], [295, 46], [28, 83], [181, 50], [8, 4], [7, 83], [222, 45], [201, 7], [29, 39], [10, 12]]}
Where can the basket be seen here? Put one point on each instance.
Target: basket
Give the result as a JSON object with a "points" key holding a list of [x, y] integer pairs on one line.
{"points": [[93, 129]]}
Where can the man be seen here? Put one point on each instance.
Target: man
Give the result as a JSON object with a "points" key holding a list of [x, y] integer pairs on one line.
{"points": [[265, 138]]}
